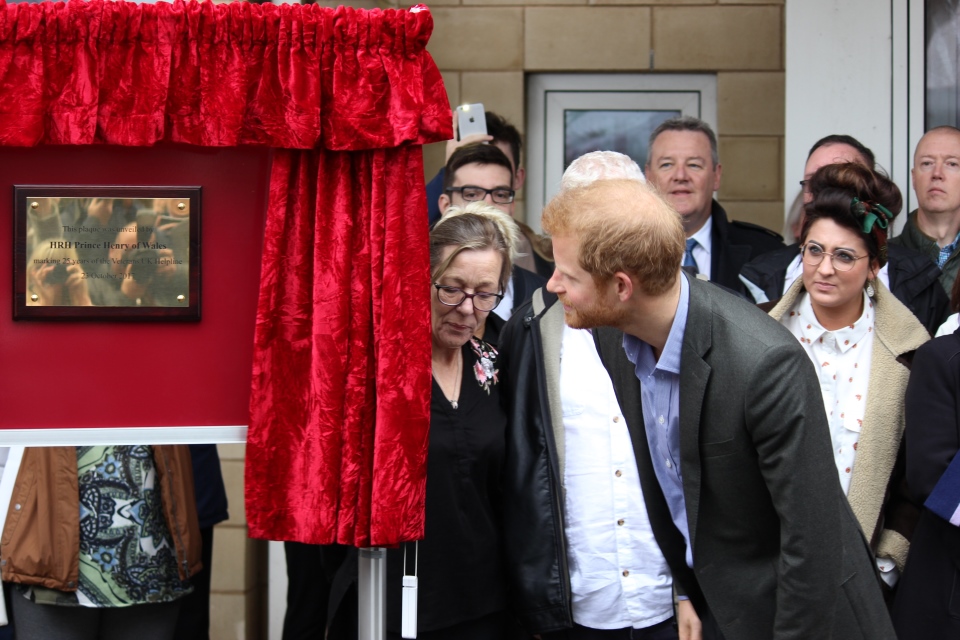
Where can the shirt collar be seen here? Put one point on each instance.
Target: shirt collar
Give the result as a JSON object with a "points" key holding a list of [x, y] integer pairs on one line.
{"points": [[912, 230], [846, 337], [703, 235], [953, 245], [641, 354]]}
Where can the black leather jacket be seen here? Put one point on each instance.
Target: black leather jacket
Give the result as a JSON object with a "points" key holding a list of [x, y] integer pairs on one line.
{"points": [[914, 280], [535, 546]]}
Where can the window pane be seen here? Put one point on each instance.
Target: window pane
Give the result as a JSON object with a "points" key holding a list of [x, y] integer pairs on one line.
{"points": [[596, 130], [942, 32]]}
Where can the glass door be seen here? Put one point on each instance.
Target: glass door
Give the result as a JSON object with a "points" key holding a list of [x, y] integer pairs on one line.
{"points": [[572, 114], [941, 37]]}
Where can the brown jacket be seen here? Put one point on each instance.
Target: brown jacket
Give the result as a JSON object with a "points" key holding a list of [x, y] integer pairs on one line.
{"points": [[41, 537]]}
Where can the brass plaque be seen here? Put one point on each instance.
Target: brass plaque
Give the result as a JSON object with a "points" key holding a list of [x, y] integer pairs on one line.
{"points": [[107, 252]]}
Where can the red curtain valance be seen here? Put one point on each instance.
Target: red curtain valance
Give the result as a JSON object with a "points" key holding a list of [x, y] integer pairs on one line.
{"points": [[293, 76]]}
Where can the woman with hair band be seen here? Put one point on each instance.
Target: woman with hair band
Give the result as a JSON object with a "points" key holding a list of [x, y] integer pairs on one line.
{"points": [[860, 338]]}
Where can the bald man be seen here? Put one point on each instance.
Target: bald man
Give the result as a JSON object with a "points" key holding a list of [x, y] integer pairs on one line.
{"points": [[934, 228]]}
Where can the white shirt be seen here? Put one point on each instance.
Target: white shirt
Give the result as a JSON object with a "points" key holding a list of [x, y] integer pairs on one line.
{"points": [[949, 325], [505, 308], [794, 271], [701, 252], [842, 359], [618, 576]]}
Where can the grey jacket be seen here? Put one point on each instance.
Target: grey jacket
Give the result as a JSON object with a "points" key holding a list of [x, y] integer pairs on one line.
{"points": [[777, 552]]}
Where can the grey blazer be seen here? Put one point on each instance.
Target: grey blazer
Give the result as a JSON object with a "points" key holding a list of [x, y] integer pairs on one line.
{"points": [[777, 551]]}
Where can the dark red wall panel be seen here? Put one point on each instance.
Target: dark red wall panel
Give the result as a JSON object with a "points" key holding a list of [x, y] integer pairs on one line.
{"points": [[130, 374]]}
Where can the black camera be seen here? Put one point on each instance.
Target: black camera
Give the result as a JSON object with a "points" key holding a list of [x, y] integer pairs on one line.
{"points": [[144, 265], [58, 275]]}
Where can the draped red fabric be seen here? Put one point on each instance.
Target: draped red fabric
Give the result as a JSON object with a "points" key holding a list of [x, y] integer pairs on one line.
{"points": [[341, 374], [291, 76], [342, 457]]}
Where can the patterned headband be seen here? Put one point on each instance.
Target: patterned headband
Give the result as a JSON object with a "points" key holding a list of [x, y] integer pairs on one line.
{"points": [[875, 218]]}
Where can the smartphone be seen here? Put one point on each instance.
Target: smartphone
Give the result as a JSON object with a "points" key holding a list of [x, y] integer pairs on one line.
{"points": [[471, 119]]}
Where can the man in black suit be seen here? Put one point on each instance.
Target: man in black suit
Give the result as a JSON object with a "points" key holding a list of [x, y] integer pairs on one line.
{"points": [[928, 601], [684, 165], [727, 425]]}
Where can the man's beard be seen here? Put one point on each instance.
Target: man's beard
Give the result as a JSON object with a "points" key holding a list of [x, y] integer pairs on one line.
{"points": [[596, 315]]}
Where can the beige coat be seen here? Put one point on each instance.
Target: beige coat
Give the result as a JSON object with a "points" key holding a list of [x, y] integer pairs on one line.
{"points": [[41, 537], [876, 488]]}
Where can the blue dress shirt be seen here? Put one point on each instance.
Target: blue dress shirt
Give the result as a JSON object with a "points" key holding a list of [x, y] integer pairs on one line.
{"points": [[660, 394]]}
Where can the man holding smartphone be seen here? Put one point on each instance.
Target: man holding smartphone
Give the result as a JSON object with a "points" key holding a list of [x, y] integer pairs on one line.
{"points": [[500, 134], [538, 253]]}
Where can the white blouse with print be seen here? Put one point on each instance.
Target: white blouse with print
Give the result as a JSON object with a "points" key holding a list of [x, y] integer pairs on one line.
{"points": [[842, 360]]}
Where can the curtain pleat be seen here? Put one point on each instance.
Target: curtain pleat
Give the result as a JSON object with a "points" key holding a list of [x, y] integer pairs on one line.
{"points": [[341, 377]]}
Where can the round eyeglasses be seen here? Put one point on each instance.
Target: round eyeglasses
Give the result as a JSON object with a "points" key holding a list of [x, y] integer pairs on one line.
{"points": [[454, 297], [842, 259], [470, 193]]}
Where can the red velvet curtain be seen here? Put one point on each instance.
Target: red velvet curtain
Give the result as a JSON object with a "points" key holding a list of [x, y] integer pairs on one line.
{"points": [[343, 457], [291, 76], [341, 377]]}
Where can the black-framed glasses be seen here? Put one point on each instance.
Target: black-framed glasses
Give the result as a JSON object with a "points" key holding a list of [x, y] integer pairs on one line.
{"points": [[454, 297], [842, 259], [470, 193]]}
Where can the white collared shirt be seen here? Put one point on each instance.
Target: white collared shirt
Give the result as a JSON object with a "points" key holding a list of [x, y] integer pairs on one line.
{"points": [[951, 324], [842, 359], [702, 251], [505, 308], [618, 575]]}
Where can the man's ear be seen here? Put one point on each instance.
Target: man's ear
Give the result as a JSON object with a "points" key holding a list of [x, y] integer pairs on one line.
{"points": [[624, 286], [443, 202], [519, 178]]}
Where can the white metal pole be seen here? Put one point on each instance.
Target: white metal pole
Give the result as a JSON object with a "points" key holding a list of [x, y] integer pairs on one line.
{"points": [[372, 594]]}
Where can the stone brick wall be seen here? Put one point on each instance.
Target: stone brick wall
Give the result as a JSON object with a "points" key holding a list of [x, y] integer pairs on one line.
{"points": [[484, 48], [238, 590]]}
